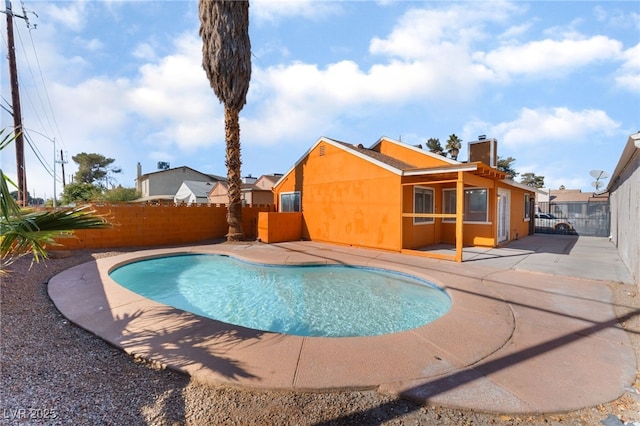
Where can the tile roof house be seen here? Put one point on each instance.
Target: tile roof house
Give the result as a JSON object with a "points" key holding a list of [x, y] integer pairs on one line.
{"points": [[398, 197]]}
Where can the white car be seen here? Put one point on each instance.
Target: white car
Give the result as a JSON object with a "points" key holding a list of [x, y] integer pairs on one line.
{"points": [[547, 220]]}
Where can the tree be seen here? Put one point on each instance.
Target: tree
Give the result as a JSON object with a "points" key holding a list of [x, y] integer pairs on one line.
{"points": [[93, 168], [505, 165], [120, 194], [80, 193], [226, 59], [433, 144], [454, 143], [24, 231], [530, 179]]}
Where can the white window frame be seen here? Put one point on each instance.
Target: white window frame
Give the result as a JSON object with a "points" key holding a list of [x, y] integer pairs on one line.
{"points": [[446, 210], [423, 220], [281, 204]]}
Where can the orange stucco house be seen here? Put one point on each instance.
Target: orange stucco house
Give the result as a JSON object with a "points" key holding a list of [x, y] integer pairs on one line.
{"points": [[397, 197]]}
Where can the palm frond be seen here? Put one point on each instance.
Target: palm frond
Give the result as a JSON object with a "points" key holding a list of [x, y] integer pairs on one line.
{"points": [[24, 231]]}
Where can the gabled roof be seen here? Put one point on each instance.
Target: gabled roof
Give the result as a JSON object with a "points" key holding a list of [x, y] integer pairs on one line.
{"points": [[375, 155], [245, 187], [272, 178], [199, 189], [631, 148], [417, 150], [382, 160], [209, 176]]}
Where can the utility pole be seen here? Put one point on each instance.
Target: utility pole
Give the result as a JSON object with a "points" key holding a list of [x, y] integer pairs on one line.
{"points": [[15, 100], [64, 182]]}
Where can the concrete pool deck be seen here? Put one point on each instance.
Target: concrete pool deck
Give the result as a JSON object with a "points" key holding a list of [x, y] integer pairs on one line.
{"points": [[531, 328]]}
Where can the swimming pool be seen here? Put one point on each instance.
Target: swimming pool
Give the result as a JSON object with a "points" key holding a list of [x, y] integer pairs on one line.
{"points": [[328, 300]]}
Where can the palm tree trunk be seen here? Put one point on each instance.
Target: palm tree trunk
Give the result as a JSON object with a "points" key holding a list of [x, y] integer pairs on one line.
{"points": [[233, 162]]}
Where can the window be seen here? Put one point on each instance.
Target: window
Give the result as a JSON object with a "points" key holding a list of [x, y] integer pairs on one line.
{"points": [[449, 203], [422, 203], [475, 204], [290, 202], [527, 201]]}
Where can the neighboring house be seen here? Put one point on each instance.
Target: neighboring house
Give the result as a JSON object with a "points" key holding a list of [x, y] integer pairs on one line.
{"points": [[163, 184], [570, 202], [624, 190], [255, 191], [193, 192], [398, 197]]}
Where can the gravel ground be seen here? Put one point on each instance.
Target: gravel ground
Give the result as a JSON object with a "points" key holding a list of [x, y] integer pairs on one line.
{"points": [[53, 372]]}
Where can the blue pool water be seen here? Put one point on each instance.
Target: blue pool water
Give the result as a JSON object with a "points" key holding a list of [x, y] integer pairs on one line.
{"points": [[333, 301]]}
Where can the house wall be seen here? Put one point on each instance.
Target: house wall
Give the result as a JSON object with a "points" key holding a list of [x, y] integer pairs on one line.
{"points": [[624, 200], [278, 227], [519, 226], [345, 199], [475, 234], [138, 225], [415, 235], [167, 182], [258, 197], [219, 194]]}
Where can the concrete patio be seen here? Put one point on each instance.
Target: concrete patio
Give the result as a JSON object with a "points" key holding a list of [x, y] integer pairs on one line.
{"points": [[531, 328]]}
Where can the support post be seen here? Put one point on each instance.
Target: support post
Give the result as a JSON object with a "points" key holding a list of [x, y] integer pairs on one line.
{"points": [[459, 216]]}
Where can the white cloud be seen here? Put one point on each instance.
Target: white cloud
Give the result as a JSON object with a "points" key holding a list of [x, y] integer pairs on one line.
{"points": [[91, 45], [71, 15], [544, 128], [628, 76], [515, 31], [549, 57], [144, 51], [174, 93]]}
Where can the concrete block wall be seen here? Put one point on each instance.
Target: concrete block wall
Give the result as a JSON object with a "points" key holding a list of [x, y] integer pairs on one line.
{"points": [[138, 225]]}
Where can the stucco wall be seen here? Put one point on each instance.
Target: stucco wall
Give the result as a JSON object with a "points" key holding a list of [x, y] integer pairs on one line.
{"points": [[625, 213], [346, 200]]}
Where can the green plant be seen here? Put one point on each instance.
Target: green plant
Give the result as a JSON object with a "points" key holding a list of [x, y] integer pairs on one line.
{"points": [[24, 230]]}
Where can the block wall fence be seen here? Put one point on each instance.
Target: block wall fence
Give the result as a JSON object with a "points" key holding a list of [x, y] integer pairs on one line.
{"points": [[139, 225]]}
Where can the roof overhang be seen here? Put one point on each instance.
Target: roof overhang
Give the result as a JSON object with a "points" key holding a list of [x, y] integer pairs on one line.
{"points": [[476, 168]]}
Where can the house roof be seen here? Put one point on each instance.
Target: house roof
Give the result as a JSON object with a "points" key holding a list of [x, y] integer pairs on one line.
{"points": [[272, 178], [375, 155], [630, 149], [210, 176], [199, 189], [246, 187], [405, 169], [569, 195], [417, 150]]}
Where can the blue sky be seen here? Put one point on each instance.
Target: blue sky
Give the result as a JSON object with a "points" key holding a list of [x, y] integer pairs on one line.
{"points": [[557, 83]]}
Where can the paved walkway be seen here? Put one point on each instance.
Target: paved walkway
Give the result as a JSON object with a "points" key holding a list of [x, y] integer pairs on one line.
{"points": [[531, 328]]}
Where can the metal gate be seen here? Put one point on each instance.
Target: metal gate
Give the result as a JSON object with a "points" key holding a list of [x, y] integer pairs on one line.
{"points": [[576, 218]]}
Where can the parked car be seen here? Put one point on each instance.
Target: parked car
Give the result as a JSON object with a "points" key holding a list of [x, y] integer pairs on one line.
{"points": [[547, 220]]}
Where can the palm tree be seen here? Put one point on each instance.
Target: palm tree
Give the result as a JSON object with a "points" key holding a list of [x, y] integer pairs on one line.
{"points": [[454, 144], [433, 144], [226, 58], [24, 230]]}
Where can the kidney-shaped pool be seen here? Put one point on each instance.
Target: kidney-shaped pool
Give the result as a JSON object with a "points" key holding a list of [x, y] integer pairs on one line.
{"points": [[327, 300]]}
